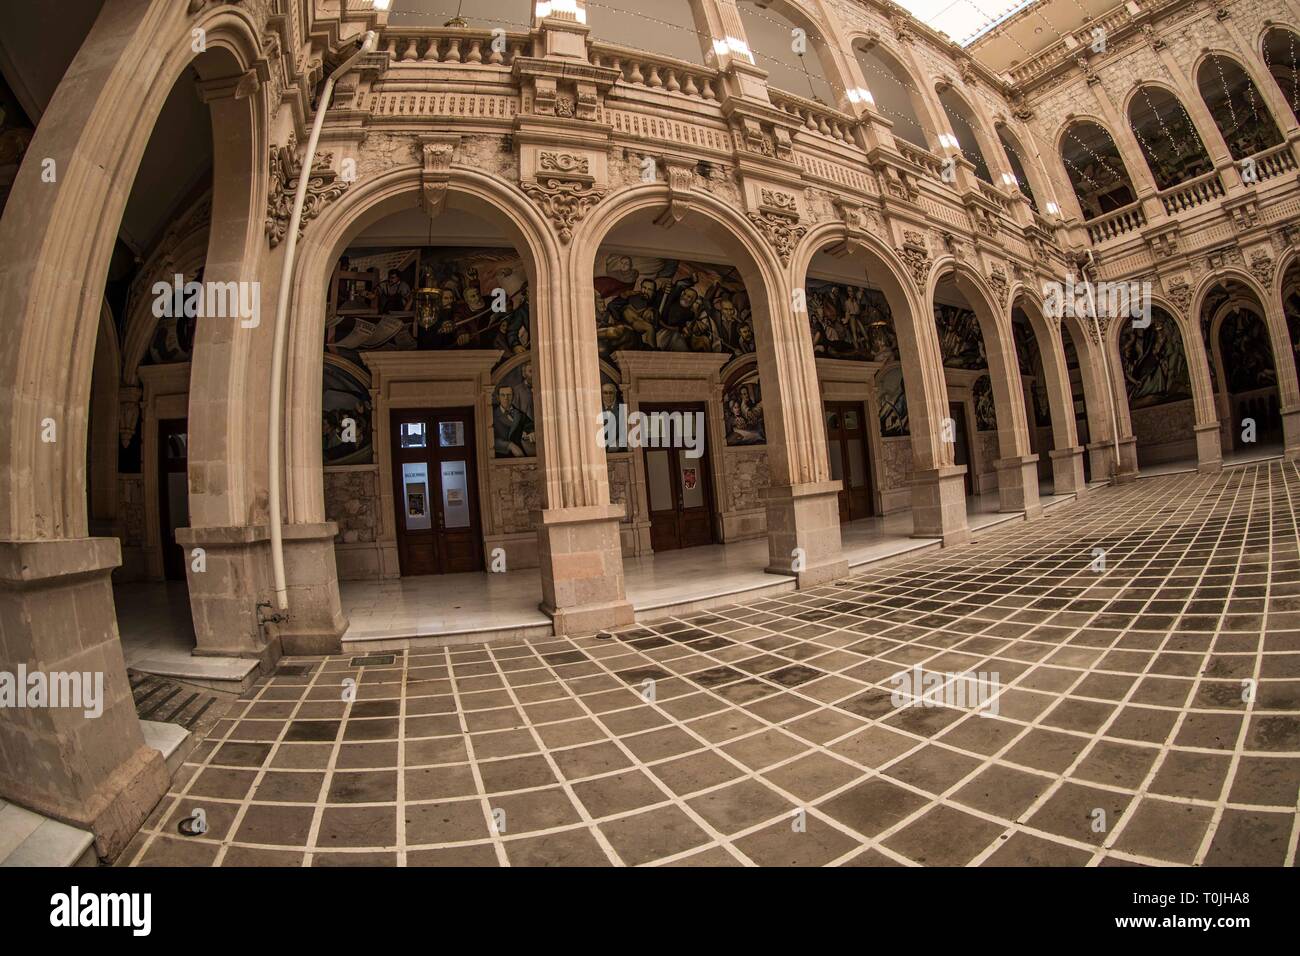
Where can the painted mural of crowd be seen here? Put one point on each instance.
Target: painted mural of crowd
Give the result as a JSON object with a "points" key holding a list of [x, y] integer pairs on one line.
{"points": [[850, 322], [644, 303], [428, 298], [742, 411]]}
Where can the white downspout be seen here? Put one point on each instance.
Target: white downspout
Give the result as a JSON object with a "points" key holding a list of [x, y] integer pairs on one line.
{"points": [[282, 325], [1105, 361]]}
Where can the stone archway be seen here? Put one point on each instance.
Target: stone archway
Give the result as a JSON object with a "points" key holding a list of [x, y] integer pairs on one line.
{"points": [[58, 236]]}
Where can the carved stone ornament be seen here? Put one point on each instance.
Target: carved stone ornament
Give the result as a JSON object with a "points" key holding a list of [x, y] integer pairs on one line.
{"points": [[1261, 267], [437, 152], [916, 255], [563, 190], [1180, 294], [323, 187], [1001, 287], [1154, 40], [777, 218], [680, 176], [1097, 324]]}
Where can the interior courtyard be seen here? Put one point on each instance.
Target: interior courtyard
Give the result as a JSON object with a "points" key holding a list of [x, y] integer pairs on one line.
{"points": [[557, 433]]}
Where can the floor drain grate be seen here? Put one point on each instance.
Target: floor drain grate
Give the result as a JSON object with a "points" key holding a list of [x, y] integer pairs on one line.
{"points": [[373, 660]]}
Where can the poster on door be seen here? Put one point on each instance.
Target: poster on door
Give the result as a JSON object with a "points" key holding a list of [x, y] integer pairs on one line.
{"points": [[690, 478]]}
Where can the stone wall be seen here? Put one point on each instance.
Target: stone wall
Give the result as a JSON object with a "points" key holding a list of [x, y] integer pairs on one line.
{"points": [[745, 478], [352, 500], [1165, 432]]}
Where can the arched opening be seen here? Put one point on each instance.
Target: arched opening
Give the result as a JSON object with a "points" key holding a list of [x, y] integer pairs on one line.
{"points": [[1012, 153], [1159, 389], [987, 423], [1081, 408], [1038, 381], [1170, 144], [1243, 373], [894, 94], [964, 128], [1238, 108], [792, 50], [429, 433], [1291, 306], [1282, 57], [1096, 171]]}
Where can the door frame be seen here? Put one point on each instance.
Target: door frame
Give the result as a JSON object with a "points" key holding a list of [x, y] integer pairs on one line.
{"points": [[709, 501], [165, 395], [868, 470], [454, 378], [434, 503]]}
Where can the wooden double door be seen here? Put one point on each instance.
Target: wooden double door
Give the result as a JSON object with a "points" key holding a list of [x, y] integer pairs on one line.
{"points": [[435, 491], [678, 489], [846, 445]]}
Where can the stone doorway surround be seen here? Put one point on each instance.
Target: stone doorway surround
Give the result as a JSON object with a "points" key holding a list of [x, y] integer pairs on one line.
{"points": [[674, 377], [166, 394], [852, 381], [443, 379]]}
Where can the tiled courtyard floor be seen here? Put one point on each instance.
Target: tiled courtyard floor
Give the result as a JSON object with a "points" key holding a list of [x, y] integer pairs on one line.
{"points": [[1148, 713]]}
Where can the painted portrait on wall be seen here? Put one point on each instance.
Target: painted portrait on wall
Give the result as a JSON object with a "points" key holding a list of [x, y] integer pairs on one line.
{"points": [[1155, 367], [644, 303], [742, 410], [346, 419], [893, 403], [514, 432], [850, 322]]}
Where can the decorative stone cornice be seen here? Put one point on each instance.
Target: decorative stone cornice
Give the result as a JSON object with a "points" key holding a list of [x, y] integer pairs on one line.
{"points": [[323, 187], [564, 190]]}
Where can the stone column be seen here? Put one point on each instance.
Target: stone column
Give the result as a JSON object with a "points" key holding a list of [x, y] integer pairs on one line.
{"points": [[1067, 453], [1209, 437], [1288, 385], [56, 599]]}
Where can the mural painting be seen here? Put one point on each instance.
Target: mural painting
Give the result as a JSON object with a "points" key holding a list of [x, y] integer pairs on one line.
{"points": [[850, 322], [986, 418], [1247, 353], [742, 410], [893, 403], [346, 414], [1155, 367]]}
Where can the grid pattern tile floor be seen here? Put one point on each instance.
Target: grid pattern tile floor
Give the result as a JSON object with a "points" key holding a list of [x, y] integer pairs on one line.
{"points": [[1147, 710]]}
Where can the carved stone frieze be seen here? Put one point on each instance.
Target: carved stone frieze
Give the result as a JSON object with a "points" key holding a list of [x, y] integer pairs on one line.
{"points": [[1261, 267], [777, 218], [916, 256], [1001, 287]]}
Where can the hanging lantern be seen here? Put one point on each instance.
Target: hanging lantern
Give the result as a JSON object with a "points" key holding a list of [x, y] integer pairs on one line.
{"points": [[426, 307]]}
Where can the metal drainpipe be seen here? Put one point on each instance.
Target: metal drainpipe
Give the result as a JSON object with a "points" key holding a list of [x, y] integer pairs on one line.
{"points": [[281, 320], [1105, 361]]}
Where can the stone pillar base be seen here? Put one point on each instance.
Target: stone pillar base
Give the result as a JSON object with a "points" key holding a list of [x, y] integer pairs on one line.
{"points": [[1018, 485], [939, 504], [225, 589], [1101, 455], [1067, 471], [57, 616], [581, 562], [1128, 459], [803, 532], [1209, 448], [316, 620], [1291, 433]]}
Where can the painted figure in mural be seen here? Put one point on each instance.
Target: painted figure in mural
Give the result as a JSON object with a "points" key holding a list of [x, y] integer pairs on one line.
{"points": [[743, 413], [1244, 337], [1155, 368], [395, 295], [512, 430], [986, 417], [893, 403], [959, 338]]}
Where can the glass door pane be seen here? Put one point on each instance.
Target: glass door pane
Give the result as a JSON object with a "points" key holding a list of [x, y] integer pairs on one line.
{"points": [[691, 476], [455, 495], [415, 496], [660, 480]]}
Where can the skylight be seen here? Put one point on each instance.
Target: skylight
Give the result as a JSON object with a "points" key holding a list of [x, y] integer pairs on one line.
{"points": [[963, 20]]}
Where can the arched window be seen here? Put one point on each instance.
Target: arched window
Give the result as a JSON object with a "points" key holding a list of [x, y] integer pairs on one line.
{"points": [[1096, 170], [963, 127], [1017, 166], [1282, 57], [1237, 107], [1170, 144], [894, 93], [790, 51]]}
